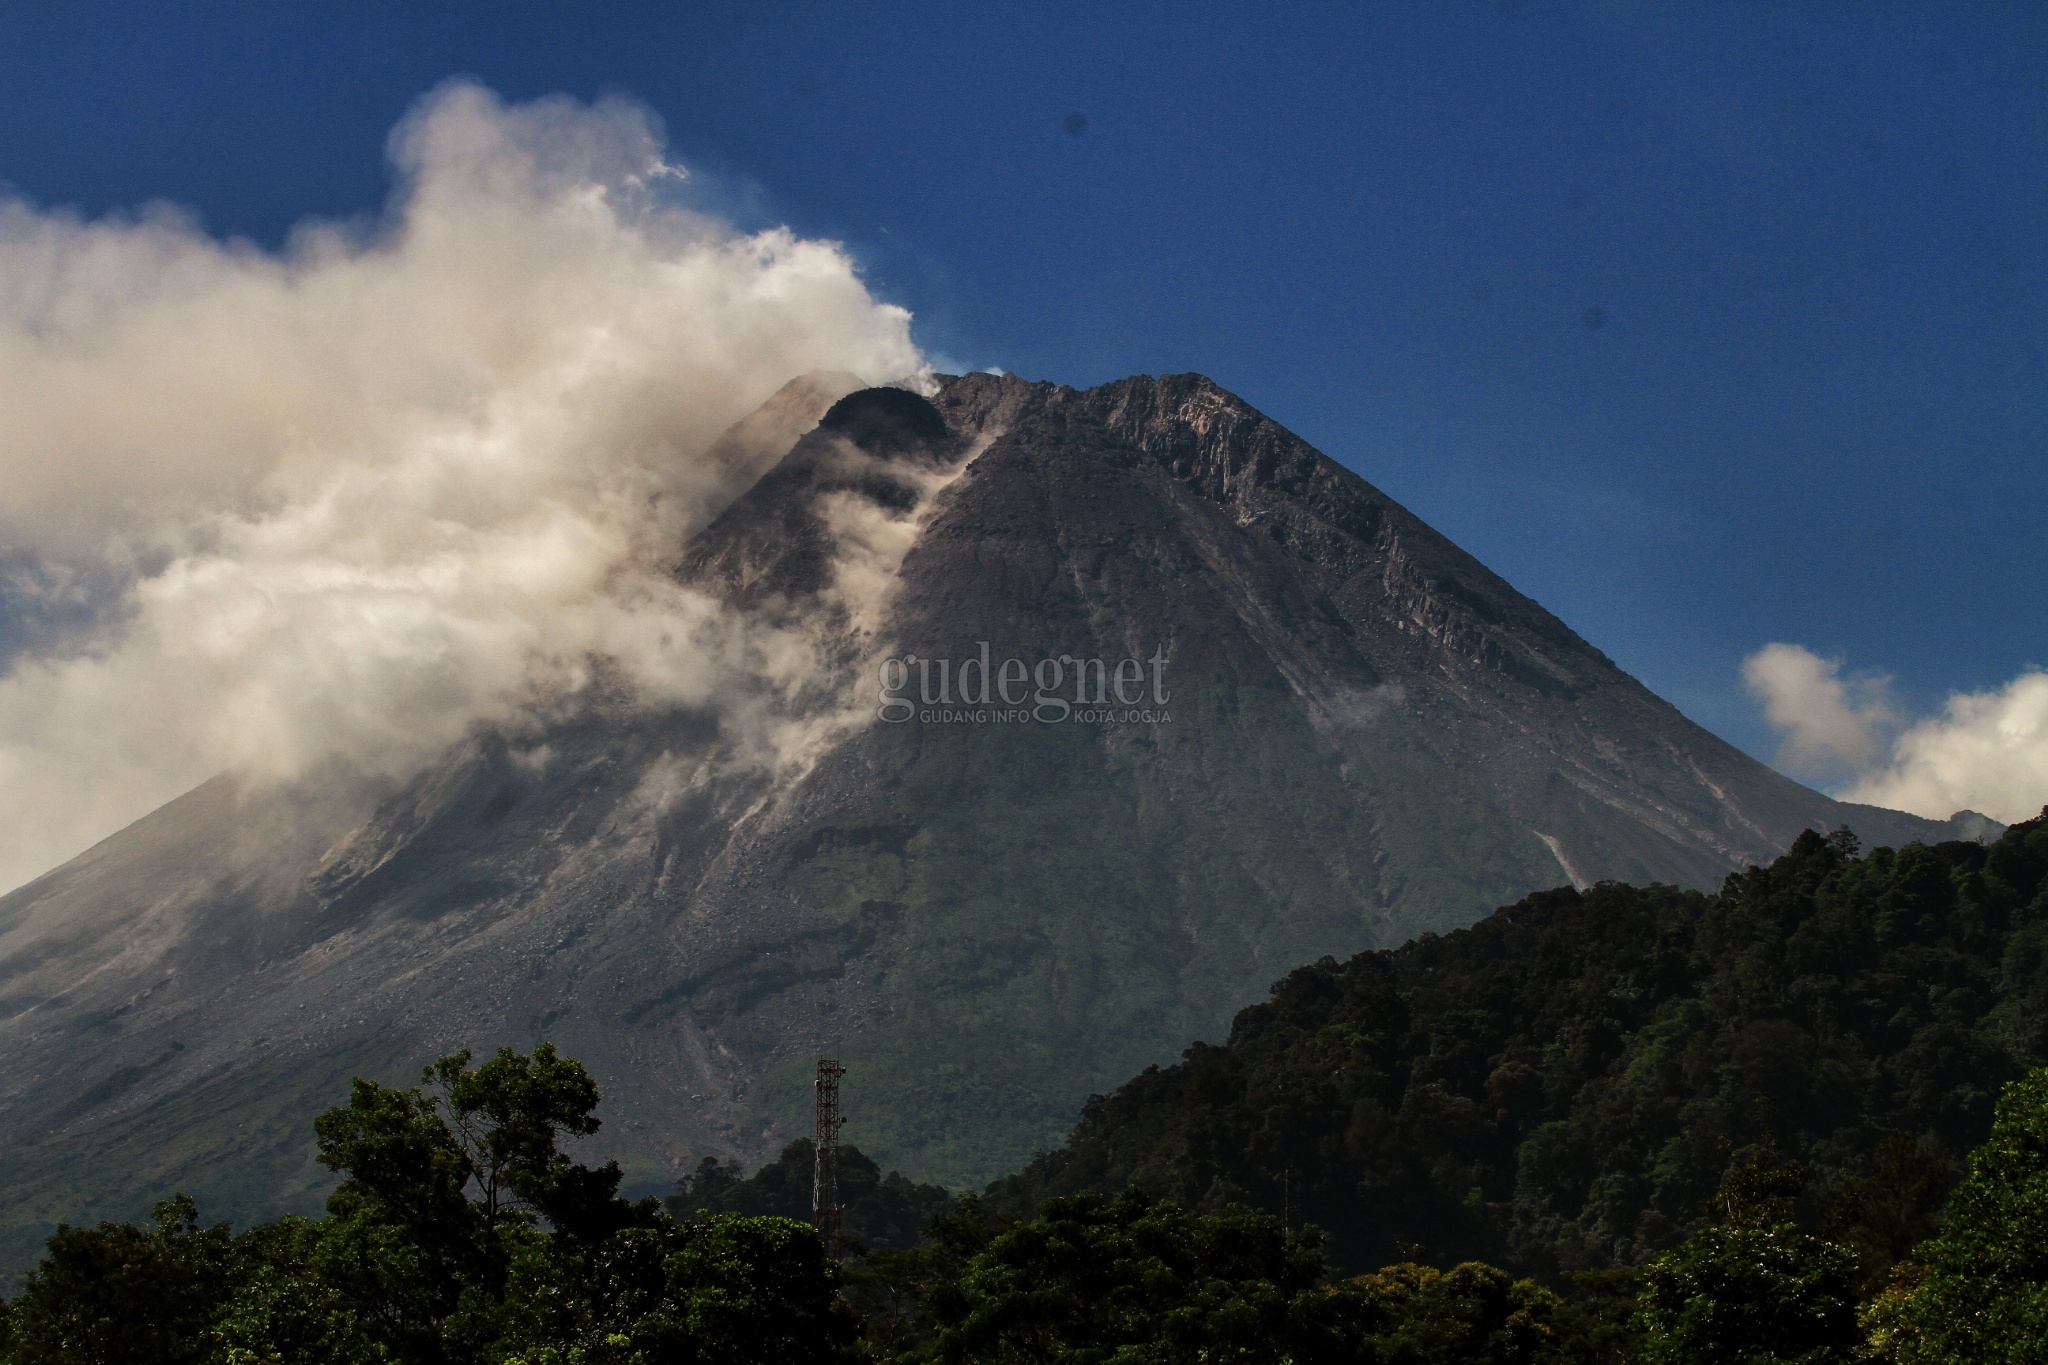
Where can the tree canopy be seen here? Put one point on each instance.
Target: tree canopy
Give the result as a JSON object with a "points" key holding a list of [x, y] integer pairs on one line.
{"points": [[1559, 1086], [1979, 1292], [460, 1231]]}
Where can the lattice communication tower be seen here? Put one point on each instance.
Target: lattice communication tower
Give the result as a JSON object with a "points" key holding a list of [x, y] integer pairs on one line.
{"points": [[825, 1147]]}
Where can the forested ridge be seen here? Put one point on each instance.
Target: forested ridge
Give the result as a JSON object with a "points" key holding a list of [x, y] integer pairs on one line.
{"points": [[1801, 1120], [1561, 1085]]}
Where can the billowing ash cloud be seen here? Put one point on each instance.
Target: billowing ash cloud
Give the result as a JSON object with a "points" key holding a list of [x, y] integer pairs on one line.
{"points": [[1986, 751], [335, 505]]}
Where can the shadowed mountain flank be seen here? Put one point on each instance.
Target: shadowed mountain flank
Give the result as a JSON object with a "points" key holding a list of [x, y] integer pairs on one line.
{"points": [[1346, 732]]}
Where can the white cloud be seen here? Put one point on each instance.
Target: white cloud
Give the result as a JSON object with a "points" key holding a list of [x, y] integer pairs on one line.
{"points": [[343, 501], [1986, 751], [1830, 723]]}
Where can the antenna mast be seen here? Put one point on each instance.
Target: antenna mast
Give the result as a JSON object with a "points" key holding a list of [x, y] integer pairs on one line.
{"points": [[825, 1149]]}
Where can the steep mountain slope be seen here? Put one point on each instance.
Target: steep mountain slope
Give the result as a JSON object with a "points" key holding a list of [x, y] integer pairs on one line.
{"points": [[1337, 731]]}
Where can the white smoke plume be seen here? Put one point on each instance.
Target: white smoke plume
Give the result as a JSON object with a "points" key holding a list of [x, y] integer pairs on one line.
{"points": [[1986, 751], [338, 503], [1833, 726]]}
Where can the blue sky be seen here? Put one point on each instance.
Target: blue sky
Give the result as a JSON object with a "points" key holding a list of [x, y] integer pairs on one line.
{"points": [[1705, 325]]}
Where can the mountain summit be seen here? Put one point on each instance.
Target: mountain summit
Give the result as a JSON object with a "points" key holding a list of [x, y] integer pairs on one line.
{"points": [[1131, 702]]}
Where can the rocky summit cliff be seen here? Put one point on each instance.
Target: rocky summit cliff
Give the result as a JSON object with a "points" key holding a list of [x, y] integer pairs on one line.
{"points": [[1126, 702]]}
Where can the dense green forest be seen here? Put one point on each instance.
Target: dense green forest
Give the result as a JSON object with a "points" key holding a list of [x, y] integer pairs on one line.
{"points": [[462, 1233], [1561, 1085], [1800, 1120]]}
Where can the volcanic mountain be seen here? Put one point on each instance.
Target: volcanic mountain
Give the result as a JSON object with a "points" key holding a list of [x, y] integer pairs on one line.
{"points": [[1132, 702]]}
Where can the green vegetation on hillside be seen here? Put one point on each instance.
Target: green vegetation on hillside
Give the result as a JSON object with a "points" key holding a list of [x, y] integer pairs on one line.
{"points": [[1771, 1274], [462, 1233], [1979, 1292], [1561, 1085]]}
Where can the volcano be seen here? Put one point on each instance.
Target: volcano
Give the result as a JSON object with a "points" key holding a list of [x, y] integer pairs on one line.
{"points": [[1153, 703]]}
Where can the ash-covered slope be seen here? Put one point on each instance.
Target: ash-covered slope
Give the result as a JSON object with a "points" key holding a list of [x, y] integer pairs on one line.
{"points": [[1364, 735]]}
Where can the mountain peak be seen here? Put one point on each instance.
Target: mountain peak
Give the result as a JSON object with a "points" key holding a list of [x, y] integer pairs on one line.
{"points": [[1348, 731], [887, 421]]}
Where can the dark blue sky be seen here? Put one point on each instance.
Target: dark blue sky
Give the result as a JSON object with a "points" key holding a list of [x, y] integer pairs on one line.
{"points": [[1814, 408]]}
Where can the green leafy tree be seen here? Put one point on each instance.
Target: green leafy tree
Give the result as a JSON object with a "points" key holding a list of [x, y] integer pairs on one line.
{"points": [[403, 1242], [756, 1289], [460, 1232], [1596, 1322], [1760, 1188], [473, 1149], [508, 1118], [1141, 1282], [447, 1184], [893, 1288], [1753, 1289], [463, 1230], [1131, 1278], [1751, 1295], [119, 1294], [1473, 1314], [727, 1289], [1889, 1207], [1983, 1295], [288, 1303]]}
